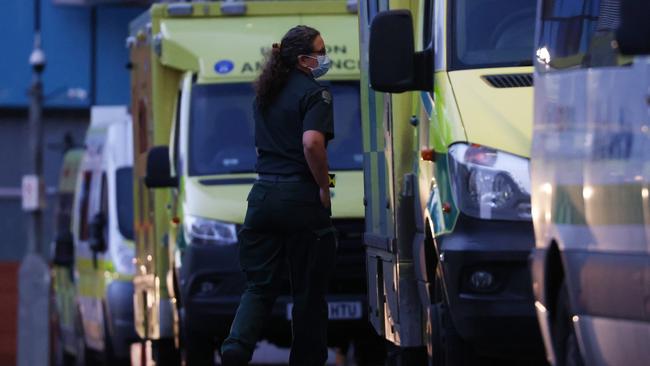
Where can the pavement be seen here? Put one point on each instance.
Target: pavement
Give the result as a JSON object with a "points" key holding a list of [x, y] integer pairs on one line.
{"points": [[266, 354]]}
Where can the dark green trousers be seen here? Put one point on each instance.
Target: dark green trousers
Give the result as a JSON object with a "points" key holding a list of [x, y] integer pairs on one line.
{"points": [[286, 224]]}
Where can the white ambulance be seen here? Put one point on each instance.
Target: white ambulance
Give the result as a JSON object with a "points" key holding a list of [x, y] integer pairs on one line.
{"points": [[94, 290], [590, 179]]}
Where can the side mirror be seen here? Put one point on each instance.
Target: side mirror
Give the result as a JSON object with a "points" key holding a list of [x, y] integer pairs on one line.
{"points": [[158, 169], [97, 240], [633, 35], [63, 249], [395, 67]]}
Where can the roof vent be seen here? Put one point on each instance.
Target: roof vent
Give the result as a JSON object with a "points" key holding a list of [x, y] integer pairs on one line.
{"points": [[179, 9], [353, 6], [233, 7], [509, 80]]}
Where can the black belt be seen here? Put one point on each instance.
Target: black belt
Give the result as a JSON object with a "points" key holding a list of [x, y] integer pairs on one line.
{"points": [[284, 178]]}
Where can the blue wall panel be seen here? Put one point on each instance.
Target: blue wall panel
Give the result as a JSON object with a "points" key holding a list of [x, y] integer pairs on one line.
{"points": [[16, 24], [67, 42], [113, 86], [67, 45]]}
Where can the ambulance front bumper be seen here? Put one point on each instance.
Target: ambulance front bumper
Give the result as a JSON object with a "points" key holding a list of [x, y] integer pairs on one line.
{"points": [[489, 288], [211, 283], [211, 287]]}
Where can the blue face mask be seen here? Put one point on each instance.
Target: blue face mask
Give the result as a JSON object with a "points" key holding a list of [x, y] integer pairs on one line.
{"points": [[324, 64]]}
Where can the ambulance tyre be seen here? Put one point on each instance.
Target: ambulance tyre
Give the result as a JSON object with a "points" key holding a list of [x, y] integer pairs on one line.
{"points": [[164, 352], [565, 342], [82, 352], [108, 357], [198, 349], [58, 355], [444, 345], [369, 349], [405, 356]]}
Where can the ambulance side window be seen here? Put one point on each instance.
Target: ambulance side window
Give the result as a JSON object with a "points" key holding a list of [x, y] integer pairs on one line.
{"points": [[83, 206], [104, 191], [176, 138], [103, 208]]}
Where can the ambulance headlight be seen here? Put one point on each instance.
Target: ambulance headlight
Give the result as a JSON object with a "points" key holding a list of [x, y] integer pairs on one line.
{"points": [[490, 184], [201, 231], [123, 253]]}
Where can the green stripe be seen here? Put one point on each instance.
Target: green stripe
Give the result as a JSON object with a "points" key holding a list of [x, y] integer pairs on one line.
{"points": [[92, 281], [380, 141], [619, 204]]}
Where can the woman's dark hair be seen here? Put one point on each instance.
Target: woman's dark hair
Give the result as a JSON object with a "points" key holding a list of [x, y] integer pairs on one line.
{"points": [[281, 61]]}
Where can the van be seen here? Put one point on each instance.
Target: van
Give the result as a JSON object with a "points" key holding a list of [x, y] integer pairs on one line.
{"points": [[193, 68], [62, 293], [590, 179], [97, 316], [447, 116]]}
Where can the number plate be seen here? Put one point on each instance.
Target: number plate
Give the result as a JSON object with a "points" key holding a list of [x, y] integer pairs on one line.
{"points": [[338, 310]]}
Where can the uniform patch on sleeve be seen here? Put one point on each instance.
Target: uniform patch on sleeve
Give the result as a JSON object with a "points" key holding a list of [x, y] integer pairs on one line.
{"points": [[327, 97]]}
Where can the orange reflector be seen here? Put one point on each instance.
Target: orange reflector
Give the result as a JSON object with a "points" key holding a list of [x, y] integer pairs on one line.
{"points": [[428, 155]]}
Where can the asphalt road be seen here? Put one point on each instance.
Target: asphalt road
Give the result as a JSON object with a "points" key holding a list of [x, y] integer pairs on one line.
{"points": [[266, 354]]}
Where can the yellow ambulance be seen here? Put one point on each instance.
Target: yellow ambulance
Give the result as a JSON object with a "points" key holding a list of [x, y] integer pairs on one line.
{"points": [[192, 69], [447, 120]]}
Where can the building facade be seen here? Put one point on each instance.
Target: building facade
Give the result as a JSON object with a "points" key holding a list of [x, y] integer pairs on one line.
{"points": [[85, 46]]}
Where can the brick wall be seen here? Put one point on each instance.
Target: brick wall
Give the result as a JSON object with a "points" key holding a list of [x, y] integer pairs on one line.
{"points": [[8, 312]]}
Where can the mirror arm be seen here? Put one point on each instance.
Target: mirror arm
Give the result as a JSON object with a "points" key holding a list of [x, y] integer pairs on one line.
{"points": [[423, 67]]}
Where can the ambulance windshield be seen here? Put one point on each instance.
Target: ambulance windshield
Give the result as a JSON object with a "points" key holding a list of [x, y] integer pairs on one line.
{"points": [[222, 129], [493, 33]]}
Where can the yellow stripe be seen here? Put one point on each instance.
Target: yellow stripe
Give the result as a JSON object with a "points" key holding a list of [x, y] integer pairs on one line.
{"points": [[92, 282]]}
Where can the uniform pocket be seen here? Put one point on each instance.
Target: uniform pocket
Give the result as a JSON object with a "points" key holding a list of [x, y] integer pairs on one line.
{"points": [[256, 195], [305, 194], [328, 237]]}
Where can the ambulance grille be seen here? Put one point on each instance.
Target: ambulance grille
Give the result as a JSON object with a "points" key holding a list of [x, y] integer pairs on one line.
{"points": [[509, 80]]}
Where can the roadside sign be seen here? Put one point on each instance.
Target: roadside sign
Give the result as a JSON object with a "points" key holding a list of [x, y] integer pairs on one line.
{"points": [[31, 193]]}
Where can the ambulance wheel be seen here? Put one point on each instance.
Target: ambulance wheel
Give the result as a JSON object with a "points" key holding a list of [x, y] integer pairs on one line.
{"points": [[198, 349], [81, 351], [565, 341], [58, 356], [108, 357], [369, 348], [406, 356], [164, 352], [444, 346]]}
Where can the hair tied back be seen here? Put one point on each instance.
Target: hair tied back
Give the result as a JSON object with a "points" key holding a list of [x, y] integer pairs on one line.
{"points": [[281, 61]]}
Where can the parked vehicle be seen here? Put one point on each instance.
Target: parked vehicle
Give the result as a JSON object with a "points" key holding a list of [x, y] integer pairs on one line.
{"points": [[193, 65], [590, 179], [62, 321], [448, 216], [93, 261]]}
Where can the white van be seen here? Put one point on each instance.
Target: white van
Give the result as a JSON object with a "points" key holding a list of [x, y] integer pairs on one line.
{"points": [[591, 178], [102, 233]]}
